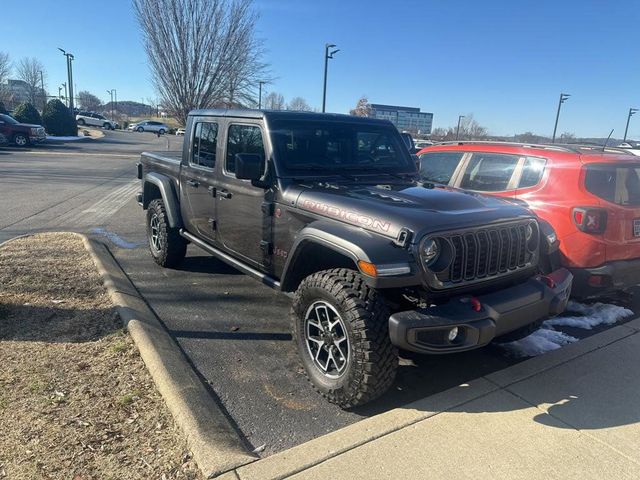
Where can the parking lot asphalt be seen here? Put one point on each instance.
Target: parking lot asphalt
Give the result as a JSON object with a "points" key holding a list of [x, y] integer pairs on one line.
{"points": [[234, 331]]}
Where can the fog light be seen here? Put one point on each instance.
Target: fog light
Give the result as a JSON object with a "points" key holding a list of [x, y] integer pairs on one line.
{"points": [[453, 334]]}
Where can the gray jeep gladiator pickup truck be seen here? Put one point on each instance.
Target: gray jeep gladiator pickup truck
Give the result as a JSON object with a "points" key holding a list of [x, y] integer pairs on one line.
{"points": [[330, 209]]}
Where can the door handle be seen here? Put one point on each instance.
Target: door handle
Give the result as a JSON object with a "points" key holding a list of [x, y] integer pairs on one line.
{"points": [[193, 183], [225, 194]]}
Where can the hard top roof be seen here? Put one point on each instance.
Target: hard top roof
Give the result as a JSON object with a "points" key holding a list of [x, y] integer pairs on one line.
{"points": [[285, 114]]}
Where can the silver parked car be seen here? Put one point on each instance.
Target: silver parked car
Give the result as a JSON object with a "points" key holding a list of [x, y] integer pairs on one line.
{"points": [[149, 126], [95, 120]]}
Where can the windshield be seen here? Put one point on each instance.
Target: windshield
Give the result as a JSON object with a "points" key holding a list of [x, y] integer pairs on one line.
{"points": [[8, 119], [317, 147]]}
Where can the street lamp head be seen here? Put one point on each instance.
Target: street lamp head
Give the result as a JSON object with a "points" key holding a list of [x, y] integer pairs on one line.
{"points": [[329, 45], [632, 111], [63, 52], [333, 53]]}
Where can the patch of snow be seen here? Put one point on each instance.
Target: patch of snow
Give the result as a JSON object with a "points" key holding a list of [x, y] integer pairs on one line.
{"points": [[546, 338], [65, 139], [590, 315], [541, 341], [116, 239]]}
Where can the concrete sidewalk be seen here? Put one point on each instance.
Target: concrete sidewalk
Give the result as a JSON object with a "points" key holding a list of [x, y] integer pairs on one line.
{"points": [[572, 413]]}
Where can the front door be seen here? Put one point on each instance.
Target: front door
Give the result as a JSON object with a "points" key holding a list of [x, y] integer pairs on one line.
{"points": [[198, 178], [242, 224]]}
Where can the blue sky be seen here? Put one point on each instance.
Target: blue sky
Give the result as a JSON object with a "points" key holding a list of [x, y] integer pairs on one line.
{"points": [[505, 62]]}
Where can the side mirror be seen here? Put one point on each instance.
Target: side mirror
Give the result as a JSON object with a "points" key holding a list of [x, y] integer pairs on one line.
{"points": [[416, 159], [249, 166], [408, 141]]}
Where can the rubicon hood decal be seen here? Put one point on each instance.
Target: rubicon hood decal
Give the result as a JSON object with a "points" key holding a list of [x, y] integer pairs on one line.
{"points": [[349, 216]]}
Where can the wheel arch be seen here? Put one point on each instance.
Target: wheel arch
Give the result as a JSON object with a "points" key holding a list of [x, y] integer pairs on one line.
{"points": [[160, 186]]}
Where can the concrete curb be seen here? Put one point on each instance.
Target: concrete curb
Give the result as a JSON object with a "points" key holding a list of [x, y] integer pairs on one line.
{"points": [[215, 444], [314, 452]]}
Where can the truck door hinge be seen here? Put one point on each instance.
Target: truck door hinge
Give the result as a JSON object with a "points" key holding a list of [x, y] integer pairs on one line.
{"points": [[266, 247], [213, 223]]}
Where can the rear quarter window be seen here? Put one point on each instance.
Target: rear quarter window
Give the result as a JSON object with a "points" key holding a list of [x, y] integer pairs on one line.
{"points": [[532, 172], [619, 184]]}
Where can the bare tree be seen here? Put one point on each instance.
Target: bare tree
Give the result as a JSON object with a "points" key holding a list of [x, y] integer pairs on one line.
{"points": [[363, 108], [202, 52], [31, 71], [5, 69], [88, 101], [299, 104], [5, 66], [470, 129], [274, 101]]}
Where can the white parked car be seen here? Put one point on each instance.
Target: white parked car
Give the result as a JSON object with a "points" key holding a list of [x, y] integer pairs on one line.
{"points": [[95, 120], [149, 126], [180, 132]]}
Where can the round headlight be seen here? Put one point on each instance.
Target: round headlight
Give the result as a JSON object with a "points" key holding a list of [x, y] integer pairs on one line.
{"points": [[528, 232], [430, 251]]}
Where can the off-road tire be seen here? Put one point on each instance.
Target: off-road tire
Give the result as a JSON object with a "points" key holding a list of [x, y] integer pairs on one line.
{"points": [[373, 360], [171, 248]]}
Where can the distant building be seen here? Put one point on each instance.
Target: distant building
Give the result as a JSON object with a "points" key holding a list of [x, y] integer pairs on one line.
{"points": [[404, 118], [15, 92]]}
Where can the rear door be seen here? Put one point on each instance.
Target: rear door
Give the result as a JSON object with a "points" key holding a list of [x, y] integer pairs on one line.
{"points": [[198, 177], [239, 204]]}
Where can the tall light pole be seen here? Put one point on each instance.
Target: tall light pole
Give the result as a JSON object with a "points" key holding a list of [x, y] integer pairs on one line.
{"points": [[44, 95], [460, 117], [70, 58], [327, 56], [563, 98], [632, 112], [260, 83], [110, 92]]}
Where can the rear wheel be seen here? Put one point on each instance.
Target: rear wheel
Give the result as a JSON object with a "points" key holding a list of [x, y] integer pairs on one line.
{"points": [[161, 131], [81, 121], [21, 139], [166, 245], [340, 327]]}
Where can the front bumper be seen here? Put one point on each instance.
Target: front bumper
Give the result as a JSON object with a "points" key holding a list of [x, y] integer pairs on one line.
{"points": [[426, 330], [618, 275]]}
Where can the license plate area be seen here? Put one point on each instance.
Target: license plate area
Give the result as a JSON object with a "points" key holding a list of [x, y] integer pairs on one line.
{"points": [[636, 227]]}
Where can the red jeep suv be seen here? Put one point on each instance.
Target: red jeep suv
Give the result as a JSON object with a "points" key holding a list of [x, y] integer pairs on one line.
{"points": [[590, 196]]}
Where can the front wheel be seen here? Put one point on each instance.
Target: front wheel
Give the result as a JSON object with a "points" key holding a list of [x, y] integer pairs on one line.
{"points": [[340, 327], [166, 245], [81, 121], [140, 129], [21, 139]]}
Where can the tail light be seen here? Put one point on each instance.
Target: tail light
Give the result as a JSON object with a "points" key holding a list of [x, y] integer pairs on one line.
{"points": [[590, 220]]}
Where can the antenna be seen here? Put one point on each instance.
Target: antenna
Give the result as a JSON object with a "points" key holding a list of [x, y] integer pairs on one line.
{"points": [[607, 142]]}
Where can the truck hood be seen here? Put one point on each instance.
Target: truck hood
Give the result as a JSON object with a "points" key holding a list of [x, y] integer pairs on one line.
{"points": [[388, 209]]}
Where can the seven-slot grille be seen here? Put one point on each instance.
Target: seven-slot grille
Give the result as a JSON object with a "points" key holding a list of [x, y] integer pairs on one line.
{"points": [[487, 252]]}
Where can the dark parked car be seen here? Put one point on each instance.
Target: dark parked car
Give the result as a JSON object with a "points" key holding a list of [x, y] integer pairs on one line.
{"points": [[20, 134], [330, 209]]}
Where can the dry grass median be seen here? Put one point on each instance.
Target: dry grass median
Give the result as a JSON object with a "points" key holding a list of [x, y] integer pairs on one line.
{"points": [[76, 401]]}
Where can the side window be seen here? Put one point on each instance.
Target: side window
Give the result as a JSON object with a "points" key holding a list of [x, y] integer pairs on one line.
{"points": [[205, 140], [532, 172], [439, 167], [489, 172], [243, 139]]}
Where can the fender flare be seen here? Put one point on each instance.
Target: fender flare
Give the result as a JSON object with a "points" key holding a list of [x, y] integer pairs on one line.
{"points": [[351, 242], [169, 197]]}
